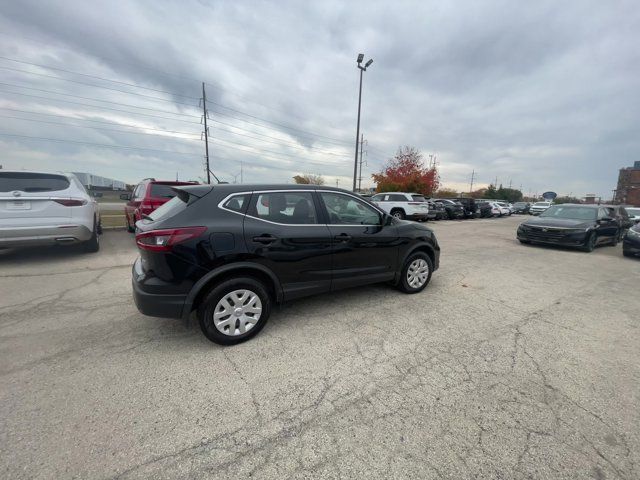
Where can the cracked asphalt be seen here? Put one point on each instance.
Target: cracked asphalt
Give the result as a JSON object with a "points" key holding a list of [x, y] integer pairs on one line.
{"points": [[517, 362]]}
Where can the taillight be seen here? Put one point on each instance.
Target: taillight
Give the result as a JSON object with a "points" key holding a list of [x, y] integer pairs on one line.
{"points": [[70, 202], [164, 240]]}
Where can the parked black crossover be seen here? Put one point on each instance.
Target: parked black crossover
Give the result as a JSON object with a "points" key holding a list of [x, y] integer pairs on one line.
{"points": [[230, 252], [583, 226]]}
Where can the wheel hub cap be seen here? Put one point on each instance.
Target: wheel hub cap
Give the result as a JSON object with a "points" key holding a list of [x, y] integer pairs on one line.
{"points": [[237, 312], [417, 273]]}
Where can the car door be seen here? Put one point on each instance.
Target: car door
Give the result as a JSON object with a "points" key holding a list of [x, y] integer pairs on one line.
{"points": [[365, 247], [283, 232], [607, 225]]}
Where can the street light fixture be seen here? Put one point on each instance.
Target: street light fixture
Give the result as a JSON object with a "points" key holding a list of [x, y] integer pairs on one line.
{"points": [[362, 69]]}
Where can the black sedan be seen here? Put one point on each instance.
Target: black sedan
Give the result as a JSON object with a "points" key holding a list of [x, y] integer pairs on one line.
{"points": [[631, 242], [583, 226]]}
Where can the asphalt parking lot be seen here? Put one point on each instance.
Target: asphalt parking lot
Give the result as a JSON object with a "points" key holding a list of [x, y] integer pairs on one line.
{"points": [[516, 362]]}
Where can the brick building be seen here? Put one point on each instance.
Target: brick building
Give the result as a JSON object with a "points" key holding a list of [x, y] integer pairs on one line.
{"points": [[628, 190]]}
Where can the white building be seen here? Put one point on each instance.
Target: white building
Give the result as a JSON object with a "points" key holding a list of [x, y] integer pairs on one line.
{"points": [[101, 183]]}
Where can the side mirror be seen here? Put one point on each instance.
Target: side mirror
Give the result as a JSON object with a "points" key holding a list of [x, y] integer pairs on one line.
{"points": [[125, 196], [387, 220]]}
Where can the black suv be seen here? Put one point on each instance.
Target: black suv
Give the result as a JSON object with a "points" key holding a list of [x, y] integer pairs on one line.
{"points": [[230, 252], [470, 207]]}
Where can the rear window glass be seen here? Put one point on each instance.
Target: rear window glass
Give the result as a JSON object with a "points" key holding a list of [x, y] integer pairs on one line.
{"points": [[169, 209], [163, 191], [32, 182], [418, 198]]}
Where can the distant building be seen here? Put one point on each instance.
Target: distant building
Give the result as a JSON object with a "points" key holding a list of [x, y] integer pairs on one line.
{"points": [[628, 190], [590, 198], [95, 182]]}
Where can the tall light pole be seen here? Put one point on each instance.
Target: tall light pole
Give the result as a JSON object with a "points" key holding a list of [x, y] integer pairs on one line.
{"points": [[362, 69]]}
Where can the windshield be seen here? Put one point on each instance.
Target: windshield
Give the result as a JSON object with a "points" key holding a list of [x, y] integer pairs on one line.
{"points": [[573, 212]]}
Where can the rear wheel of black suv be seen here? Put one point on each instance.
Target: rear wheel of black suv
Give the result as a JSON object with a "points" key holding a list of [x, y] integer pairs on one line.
{"points": [[234, 310], [416, 273]]}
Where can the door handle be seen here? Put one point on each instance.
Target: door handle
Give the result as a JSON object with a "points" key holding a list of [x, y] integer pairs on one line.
{"points": [[265, 239], [343, 237]]}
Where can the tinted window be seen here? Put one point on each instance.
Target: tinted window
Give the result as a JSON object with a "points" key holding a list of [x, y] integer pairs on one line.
{"points": [[295, 208], [237, 203], [377, 198], [633, 211], [32, 182], [418, 198], [346, 210], [395, 197], [160, 190]]}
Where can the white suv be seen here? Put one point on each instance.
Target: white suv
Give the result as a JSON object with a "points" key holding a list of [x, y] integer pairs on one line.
{"points": [[539, 207], [38, 208], [401, 205]]}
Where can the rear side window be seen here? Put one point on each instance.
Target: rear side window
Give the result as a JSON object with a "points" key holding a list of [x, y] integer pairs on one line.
{"points": [[237, 203], [294, 208], [397, 198], [32, 182], [162, 191], [418, 198]]}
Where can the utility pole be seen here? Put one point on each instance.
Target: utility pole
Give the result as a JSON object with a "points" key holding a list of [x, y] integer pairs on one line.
{"points": [[362, 142], [473, 175], [337, 182], [510, 183], [206, 133]]}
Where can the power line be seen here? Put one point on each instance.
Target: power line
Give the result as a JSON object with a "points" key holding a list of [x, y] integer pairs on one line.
{"points": [[90, 76], [93, 144], [273, 123], [98, 100], [97, 128], [99, 106], [96, 121]]}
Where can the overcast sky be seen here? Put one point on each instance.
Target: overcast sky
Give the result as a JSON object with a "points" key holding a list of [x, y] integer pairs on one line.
{"points": [[540, 94]]}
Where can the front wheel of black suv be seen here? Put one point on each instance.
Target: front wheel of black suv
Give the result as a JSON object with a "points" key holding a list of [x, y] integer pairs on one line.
{"points": [[234, 310], [590, 243], [416, 273]]}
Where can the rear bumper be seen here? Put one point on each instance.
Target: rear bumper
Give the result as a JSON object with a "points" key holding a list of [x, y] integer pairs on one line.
{"points": [[154, 304], [12, 237]]}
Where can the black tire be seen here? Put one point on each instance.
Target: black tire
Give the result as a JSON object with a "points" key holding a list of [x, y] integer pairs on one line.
{"points": [[590, 243], [627, 254], [615, 239], [93, 244], [398, 213], [130, 229], [403, 284], [208, 305]]}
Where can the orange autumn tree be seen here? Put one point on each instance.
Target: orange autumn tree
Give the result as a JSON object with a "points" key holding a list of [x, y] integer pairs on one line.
{"points": [[406, 173]]}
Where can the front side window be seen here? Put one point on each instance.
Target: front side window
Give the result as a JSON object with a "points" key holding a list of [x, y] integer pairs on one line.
{"points": [[377, 198], [137, 193], [293, 208], [346, 210]]}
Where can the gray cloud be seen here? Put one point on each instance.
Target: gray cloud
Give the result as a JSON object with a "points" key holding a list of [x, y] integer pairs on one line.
{"points": [[543, 94]]}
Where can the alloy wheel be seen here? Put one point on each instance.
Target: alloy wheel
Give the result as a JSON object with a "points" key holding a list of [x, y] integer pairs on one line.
{"points": [[237, 312], [417, 273]]}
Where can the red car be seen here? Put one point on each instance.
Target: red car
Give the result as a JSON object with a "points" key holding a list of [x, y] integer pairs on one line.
{"points": [[148, 195]]}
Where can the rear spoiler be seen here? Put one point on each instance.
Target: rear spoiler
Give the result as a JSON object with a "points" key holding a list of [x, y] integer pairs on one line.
{"points": [[184, 192]]}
